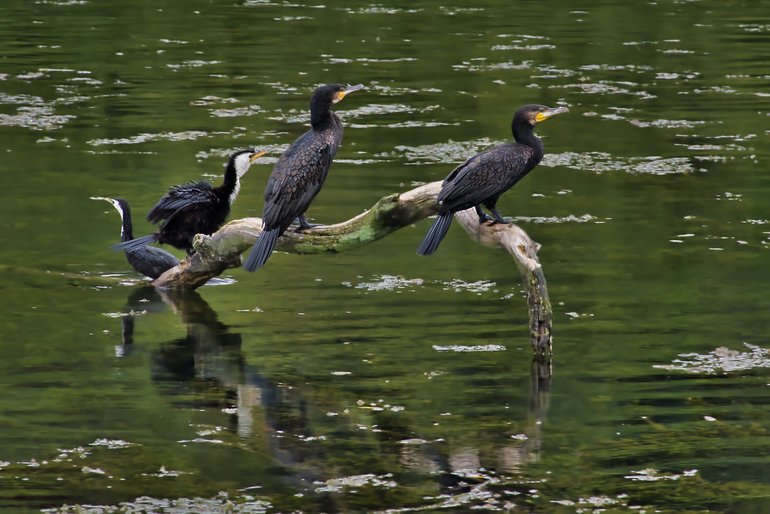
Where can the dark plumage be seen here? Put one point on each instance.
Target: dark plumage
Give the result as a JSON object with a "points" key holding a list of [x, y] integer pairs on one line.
{"points": [[148, 260], [300, 172], [484, 177], [195, 207]]}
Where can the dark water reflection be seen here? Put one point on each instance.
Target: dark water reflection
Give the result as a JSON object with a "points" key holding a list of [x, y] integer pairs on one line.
{"points": [[374, 380], [232, 405]]}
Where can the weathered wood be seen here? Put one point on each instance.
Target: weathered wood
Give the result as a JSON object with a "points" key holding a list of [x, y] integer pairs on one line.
{"points": [[223, 249], [524, 252]]}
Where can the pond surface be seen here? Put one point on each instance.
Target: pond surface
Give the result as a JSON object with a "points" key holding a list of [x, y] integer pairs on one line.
{"points": [[375, 380]]}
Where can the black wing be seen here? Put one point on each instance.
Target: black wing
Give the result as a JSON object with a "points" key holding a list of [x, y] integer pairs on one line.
{"points": [[151, 261], [180, 198], [482, 176], [296, 179]]}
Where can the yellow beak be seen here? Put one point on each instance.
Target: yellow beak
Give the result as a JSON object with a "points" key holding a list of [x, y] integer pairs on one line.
{"points": [[257, 155], [345, 92], [548, 113]]}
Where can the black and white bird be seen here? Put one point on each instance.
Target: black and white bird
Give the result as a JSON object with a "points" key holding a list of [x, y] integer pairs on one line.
{"points": [[300, 172], [147, 260], [195, 207], [484, 177]]}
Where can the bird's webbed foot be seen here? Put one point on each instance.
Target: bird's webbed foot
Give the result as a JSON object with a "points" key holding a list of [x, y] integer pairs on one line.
{"points": [[498, 217], [304, 224], [483, 216]]}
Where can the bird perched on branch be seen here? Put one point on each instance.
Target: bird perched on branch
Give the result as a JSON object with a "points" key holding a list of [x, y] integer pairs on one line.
{"points": [[484, 177], [147, 260], [300, 172], [195, 207]]}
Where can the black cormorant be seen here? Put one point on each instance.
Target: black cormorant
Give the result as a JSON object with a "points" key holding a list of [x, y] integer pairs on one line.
{"points": [[147, 260], [195, 207], [484, 177], [300, 172]]}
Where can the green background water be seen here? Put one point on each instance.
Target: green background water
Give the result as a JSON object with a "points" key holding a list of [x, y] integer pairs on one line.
{"points": [[377, 380]]}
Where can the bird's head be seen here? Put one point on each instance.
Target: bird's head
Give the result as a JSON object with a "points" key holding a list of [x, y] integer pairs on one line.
{"points": [[534, 113], [331, 94], [243, 159], [120, 205]]}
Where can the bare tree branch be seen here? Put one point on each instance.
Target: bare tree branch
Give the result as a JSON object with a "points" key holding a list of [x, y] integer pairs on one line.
{"points": [[223, 249]]}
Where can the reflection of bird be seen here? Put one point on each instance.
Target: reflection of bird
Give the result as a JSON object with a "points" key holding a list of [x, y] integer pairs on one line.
{"points": [[485, 176], [140, 301], [195, 207], [300, 172], [147, 260]]}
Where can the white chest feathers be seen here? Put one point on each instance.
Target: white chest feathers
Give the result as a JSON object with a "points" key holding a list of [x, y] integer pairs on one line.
{"points": [[236, 190]]}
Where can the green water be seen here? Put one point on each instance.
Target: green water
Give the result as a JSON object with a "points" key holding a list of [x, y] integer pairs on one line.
{"points": [[375, 380]]}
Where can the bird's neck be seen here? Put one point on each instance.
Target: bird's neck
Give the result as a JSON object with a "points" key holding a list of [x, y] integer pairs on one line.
{"points": [[231, 185], [321, 117], [126, 228], [524, 134], [235, 191]]}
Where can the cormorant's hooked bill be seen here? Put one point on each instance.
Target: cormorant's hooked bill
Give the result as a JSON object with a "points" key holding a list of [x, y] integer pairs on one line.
{"points": [[257, 155], [346, 91], [549, 112]]}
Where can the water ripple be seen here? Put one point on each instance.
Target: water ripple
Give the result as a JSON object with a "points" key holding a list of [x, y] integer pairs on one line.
{"points": [[36, 117], [470, 349], [388, 283], [380, 9], [526, 48], [7, 99], [450, 151], [720, 360], [571, 218], [194, 63], [600, 162], [608, 88], [384, 90], [356, 481], [223, 503], [188, 135], [365, 60], [473, 65], [666, 123], [480, 286], [653, 475], [636, 68]]}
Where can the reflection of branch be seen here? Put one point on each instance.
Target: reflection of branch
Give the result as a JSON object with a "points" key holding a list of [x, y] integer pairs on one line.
{"points": [[469, 465], [541, 375], [223, 249]]}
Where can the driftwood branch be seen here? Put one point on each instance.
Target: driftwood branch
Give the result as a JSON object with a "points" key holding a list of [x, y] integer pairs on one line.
{"points": [[524, 252], [223, 249]]}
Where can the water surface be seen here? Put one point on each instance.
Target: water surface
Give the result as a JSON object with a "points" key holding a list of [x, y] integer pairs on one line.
{"points": [[375, 380]]}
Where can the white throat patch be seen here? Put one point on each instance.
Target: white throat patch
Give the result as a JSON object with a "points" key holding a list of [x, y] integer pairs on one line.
{"points": [[242, 164]]}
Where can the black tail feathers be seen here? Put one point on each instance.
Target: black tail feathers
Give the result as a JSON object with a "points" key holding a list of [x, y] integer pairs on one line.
{"points": [[135, 244], [435, 234], [262, 249]]}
